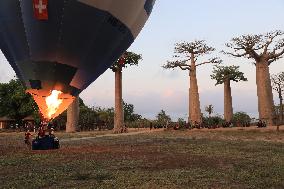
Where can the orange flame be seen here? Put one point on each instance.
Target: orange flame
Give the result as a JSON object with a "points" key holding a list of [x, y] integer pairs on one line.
{"points": [[53, 103]]}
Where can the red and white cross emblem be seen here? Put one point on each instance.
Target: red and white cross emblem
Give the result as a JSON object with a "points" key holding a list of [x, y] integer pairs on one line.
{"points": [[122, 59], [40, 9]]}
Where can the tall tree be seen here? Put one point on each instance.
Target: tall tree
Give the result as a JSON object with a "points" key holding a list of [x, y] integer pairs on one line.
{"points": [[129, 115], [106, 116], [241, 119], [226, 74], [163, 119], [263, 49], [187, 55], [209, 109], [278, 86], [73, 116], [127, 59]]}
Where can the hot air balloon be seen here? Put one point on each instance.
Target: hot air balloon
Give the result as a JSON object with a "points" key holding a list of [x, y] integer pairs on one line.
{"points": [[59, 47]]}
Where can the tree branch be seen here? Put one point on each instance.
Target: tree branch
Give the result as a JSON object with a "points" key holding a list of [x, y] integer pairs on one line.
{"points": [[270, 40], [190, 51], [174, 64], [215, 60], [276, 55], [197, 47], [273, 60], [247, 43], [235, 55], [253, 54]]}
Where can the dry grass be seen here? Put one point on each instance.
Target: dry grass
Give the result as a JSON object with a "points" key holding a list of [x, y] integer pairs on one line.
{"points": [[169, 159]]}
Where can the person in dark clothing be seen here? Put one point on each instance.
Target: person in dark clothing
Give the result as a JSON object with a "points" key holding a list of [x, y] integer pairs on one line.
{"points": [[51, 133], [41, 132], [27, 140]]}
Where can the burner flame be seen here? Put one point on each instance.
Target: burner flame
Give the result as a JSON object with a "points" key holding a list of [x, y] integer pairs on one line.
{"points": [[53, 102]]}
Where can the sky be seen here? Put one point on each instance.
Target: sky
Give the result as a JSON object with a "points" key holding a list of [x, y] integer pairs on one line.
{"points": [[150, 88]]}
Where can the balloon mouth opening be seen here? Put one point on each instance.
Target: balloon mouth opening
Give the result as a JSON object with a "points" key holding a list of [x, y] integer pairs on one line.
{"points": [[51, 103]]}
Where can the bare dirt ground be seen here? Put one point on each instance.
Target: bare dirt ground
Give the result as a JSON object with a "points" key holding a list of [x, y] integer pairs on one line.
{"points": [[240, 133], [129, 133], [205, 158]]}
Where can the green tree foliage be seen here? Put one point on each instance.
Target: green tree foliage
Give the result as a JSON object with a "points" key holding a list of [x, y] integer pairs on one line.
{"points": [[87, 118], [163, 119], [129, 115], [15, 102], [181, 122], [213, 121], [105, 117], [140, 123], [127, 59], [85, 113], [91, 118], [232, 73], [241, 119]]}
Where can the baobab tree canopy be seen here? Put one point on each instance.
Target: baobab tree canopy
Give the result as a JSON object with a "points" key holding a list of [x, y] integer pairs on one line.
{"points": [[127, 59], [59, 45], [186, 51], [278, 86], [263, 47], [232, 73], [278, 82]]}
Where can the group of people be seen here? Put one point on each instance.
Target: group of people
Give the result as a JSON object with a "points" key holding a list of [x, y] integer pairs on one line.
{"points": [[261, 124], [44, 126], [203, 125]]}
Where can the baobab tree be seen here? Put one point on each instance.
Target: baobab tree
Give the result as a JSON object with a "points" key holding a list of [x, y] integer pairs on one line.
{"points": [[73, 116], [263, 49], [127, 59], [278, 86], [224, 75], [187, 55]]}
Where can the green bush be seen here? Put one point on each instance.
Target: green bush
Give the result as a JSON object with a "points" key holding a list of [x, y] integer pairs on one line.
{"points": [[241, 119]]}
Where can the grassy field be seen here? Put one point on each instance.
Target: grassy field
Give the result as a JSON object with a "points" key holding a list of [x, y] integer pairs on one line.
{"points": [[165, 159]]}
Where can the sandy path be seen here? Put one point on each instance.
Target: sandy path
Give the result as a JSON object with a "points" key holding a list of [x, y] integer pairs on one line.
{"points": [[112, 135]]}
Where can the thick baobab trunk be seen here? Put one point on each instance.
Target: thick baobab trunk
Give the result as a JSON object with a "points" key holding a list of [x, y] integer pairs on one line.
{"points": [[118, 114], [264, 93], [194, 103], [73, 116], [228, 107]]}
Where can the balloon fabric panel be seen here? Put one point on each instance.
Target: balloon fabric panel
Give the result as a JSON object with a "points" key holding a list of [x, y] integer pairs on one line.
{"points": [[71, 44]]}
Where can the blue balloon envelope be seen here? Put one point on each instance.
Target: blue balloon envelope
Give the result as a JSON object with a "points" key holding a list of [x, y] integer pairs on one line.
{"points": [[65, 45]]}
